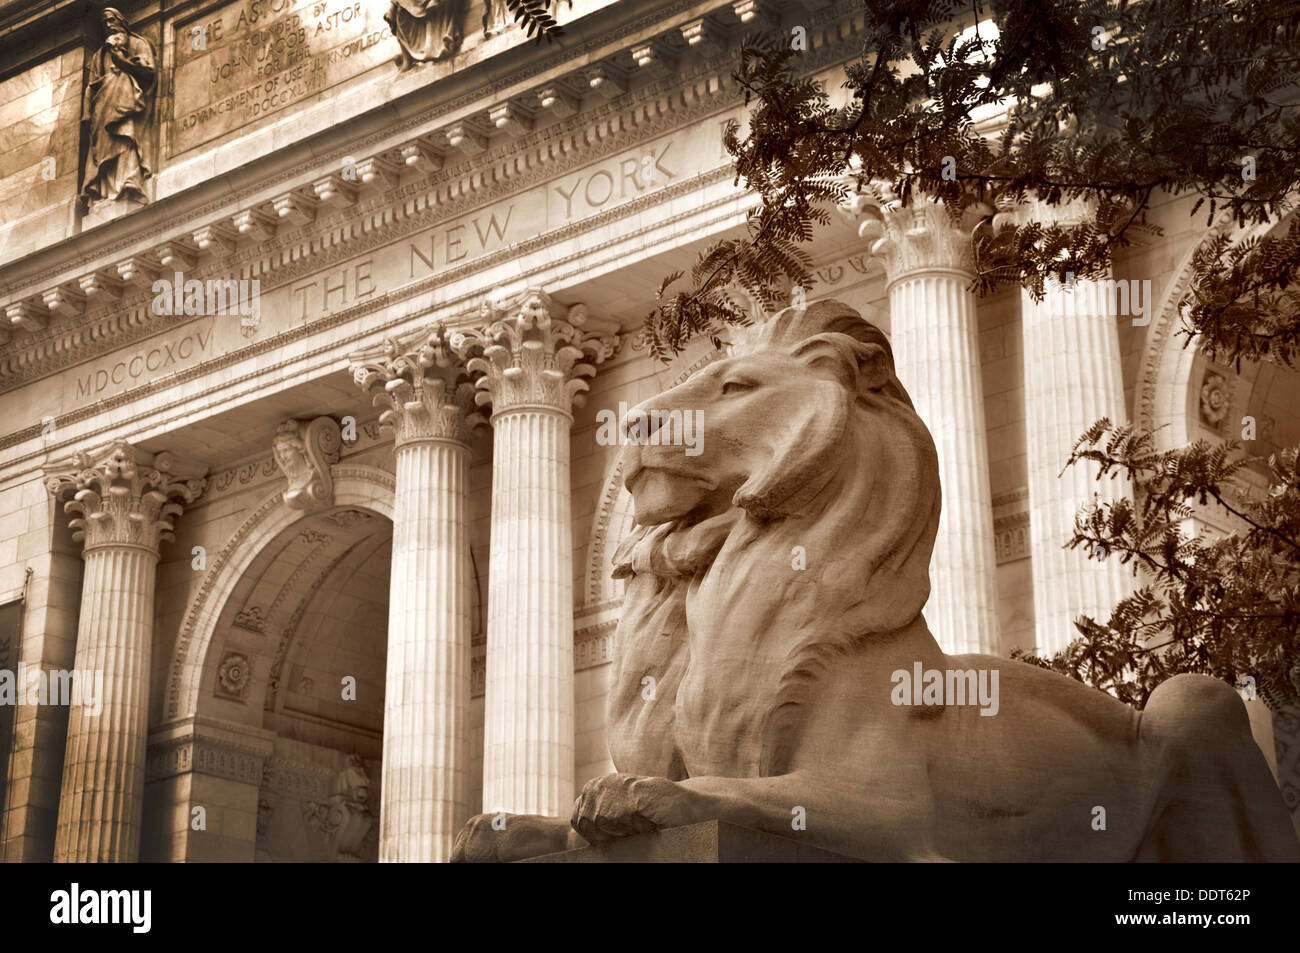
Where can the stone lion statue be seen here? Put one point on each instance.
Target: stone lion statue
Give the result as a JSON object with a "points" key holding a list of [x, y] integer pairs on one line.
{"points": [[773, 603]]}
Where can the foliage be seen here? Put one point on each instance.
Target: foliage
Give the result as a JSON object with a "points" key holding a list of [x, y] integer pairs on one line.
{"points": [[1111, 106], [1227, 606], [1053, 130], [534, 17]]}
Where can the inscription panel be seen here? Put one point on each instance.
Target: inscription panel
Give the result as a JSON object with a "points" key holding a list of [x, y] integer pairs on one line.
{"points": [[565, 200], [246, 61]]}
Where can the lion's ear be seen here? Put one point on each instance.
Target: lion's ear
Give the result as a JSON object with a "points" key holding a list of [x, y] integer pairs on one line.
{"points": [[859, 366]]}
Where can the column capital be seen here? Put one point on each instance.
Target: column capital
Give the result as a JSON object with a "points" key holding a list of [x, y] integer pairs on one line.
{"points": [[916, 236], [423, 385], [533, 352], [123, 496], [1011, 213]]}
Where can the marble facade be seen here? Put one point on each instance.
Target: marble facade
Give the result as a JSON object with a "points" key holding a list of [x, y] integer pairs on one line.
{"points": [[366, 630]]}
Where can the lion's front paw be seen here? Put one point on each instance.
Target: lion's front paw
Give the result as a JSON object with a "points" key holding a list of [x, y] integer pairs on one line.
{"points": [[619, 805], [501, 838]]}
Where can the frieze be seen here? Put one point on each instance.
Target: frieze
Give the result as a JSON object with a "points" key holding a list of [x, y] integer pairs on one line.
{"points": [[253, 473], [699, 99], [203, 756], [243, 476], [382, 301]]}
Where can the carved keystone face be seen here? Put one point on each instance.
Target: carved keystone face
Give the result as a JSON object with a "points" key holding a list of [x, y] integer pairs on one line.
{"points": [[740, 413]]}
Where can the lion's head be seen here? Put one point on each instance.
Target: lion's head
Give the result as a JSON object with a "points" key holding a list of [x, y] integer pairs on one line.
{"points": [[802, 526]]}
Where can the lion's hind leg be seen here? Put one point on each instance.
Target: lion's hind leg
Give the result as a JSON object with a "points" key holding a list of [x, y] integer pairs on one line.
{"points": [[1216, 799]]}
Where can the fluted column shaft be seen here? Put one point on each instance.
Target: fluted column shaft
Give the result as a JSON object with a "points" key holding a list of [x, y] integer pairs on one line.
{"points": [[936, 351], [124, 503], [426, 700], [532, 360], [429, 401], [1073, 377], [935, 338], [102, 799], [528, 740]]}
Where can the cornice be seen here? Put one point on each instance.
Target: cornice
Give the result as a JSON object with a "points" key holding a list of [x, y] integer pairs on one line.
{"points": [[458, 188], [464, 304]]}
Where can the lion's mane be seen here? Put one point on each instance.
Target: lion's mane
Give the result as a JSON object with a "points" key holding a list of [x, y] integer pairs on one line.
{"points": [[739, 637]]}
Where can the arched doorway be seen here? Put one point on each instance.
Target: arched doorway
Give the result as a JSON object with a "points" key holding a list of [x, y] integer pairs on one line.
{"points": [[276, 694]]}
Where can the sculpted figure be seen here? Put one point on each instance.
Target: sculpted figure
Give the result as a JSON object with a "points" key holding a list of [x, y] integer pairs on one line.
{"points": [[426, 30], [775, 588], [115, 104], [496, 17]]}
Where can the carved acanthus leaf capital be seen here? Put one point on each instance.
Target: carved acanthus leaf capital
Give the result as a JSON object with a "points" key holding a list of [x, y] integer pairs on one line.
{"points": [[423, 386], [921, 235], [123, 496], [533, 352], [305, 451]]}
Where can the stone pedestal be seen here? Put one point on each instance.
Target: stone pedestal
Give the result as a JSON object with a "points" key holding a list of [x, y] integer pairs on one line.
{"points": [[123, 503], [709, 842], [935, 339], [531, 362], [429, 405]]}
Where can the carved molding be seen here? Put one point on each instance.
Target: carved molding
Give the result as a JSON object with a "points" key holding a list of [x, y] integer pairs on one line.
{"points": [[1011, 537], [123, 496], [193, 749], [527, 160], [300, 779], [379, 304], [593, 645], [304, 451]]}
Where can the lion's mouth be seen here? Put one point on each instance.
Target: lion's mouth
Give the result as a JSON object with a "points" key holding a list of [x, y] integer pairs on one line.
{"points": [[639, 471]]}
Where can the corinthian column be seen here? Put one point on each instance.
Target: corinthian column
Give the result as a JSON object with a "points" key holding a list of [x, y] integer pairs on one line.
{"points": [[934, 334], [429, 405], [531, 366], [123, 503], [1073, 377]]}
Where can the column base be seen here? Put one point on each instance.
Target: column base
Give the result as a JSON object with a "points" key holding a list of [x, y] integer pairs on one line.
{"points": [[709, 842]]}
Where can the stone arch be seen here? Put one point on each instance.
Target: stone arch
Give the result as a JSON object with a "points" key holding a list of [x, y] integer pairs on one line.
{"points": [[356, 485], [1167, 367], [614, 519]]}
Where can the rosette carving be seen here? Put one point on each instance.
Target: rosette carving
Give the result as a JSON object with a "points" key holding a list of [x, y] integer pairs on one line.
{"points": [[123, 496], [526, 355]]}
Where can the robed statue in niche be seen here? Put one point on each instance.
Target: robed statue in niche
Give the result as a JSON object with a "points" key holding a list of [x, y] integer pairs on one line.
{"points": [[426, 30], [116, 104]]}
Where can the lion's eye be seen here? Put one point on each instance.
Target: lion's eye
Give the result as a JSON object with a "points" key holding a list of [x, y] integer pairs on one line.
{"points": [[736, 386]]}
